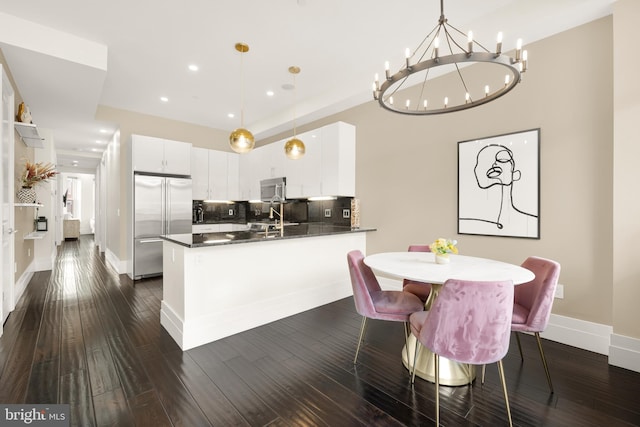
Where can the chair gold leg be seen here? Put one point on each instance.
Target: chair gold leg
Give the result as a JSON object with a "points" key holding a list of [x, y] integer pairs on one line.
{"points": [[504, 389], [519, 346], [406, 346], [364, 322], [436, 365], [416, 353], [544, 361], [484, 368]]}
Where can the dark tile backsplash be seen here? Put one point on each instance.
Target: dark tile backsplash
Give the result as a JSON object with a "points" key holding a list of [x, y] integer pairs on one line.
{"points": [[334, 212]]}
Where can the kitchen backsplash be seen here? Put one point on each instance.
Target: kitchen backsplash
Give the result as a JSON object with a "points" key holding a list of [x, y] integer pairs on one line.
{"points": [[335, 212]]}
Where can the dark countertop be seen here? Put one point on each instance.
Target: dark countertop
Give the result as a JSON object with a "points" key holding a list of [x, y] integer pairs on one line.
{"points": [[233, 237]]}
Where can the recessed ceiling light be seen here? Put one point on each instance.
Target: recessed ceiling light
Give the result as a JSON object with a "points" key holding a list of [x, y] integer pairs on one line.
{"points": [[231, 115], [94, 149], [103, 131], [99, 142], [193, 67], [164, 99], [270, 93]]}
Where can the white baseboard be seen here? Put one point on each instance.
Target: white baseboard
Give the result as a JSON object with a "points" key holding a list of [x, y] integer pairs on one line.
{"points": [[114, 262], [579, 333], [22, 282], [624, 352]]}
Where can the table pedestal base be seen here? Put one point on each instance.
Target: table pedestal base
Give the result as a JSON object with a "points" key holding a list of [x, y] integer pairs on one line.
{"points": [[451, 373]]}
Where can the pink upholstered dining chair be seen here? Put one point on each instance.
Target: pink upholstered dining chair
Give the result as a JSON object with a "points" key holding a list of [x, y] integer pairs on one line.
{"points": [[469, 322], [533, 302], [419, 289], [374, 303]]}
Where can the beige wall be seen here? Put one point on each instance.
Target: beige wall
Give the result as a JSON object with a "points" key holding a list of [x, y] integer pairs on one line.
{"points": [[626, 173], [407, 168]]}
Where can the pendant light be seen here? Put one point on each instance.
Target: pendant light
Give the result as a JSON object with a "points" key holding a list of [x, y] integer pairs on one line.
{"points": [[241, 140], [294, 148]]}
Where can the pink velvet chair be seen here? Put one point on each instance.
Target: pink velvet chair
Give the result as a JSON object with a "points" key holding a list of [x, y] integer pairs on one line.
{"points": [[533, 302], [469, 322], [374, 303], [419, 289]]}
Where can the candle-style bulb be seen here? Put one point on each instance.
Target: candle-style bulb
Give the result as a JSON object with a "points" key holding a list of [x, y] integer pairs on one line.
{"points": [[525, 56], [518, 49], [407, 104], [391, 100], [506, 80], [446, 101], [499, 43], [436, 47], [425, 104], [407, 54], [486, 90], [386, 70], [470, 42], [466, 97]]}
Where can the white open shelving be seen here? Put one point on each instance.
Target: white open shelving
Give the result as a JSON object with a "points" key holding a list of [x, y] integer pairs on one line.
{"points": [[29, 134], [28, 205], [35, 235]]}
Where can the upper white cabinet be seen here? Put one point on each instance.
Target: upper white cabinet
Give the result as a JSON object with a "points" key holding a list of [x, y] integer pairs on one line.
{"points": [[328, 167], [157, 155], [214, 175], [339, 160], [304, 175]]}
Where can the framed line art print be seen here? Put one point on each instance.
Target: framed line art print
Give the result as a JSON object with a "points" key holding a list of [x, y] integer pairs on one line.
{"points": [[499, 185]]}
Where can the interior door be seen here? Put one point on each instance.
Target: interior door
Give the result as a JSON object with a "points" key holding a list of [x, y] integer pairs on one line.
{"points": [[6, 198]]}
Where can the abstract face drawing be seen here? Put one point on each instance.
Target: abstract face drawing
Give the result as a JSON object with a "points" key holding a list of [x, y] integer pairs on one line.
{"points": [[495, 166]]}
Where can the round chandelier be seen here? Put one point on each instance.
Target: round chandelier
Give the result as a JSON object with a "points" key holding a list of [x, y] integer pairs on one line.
{"points": [[241, 140], [446, 46]]}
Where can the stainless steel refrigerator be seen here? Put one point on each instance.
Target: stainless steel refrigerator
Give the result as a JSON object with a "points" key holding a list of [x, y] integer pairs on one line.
{"points": [[162, 205]]}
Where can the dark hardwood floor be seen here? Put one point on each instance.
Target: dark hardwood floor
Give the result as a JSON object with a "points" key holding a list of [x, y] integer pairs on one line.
{"points": [[83, 335]]}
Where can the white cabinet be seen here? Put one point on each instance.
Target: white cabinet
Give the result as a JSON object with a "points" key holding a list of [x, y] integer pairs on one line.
{"points": [[214, 175], [304, 175], [200, 173], [158, 155], [339, 160], [328, 167]]}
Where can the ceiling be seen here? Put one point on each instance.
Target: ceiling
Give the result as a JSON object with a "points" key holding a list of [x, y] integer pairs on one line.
{"points": [[68, 57]]}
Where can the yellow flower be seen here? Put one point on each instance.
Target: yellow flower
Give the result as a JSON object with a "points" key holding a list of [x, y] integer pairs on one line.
{"points": [[444, 246]]}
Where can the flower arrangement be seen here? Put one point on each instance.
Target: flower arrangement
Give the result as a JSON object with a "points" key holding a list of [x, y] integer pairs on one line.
{"points": [[35, 173], [444, 247]]}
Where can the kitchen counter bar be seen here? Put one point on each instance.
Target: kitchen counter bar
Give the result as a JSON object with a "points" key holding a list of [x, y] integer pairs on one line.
{"points": [[232, 237], [213, 288]]}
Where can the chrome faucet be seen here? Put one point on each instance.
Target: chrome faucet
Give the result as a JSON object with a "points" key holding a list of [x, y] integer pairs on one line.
{"points": [[280, 224]]}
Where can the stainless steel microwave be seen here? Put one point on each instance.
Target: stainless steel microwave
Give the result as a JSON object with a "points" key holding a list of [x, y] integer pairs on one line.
{"points": [[273, 190]]}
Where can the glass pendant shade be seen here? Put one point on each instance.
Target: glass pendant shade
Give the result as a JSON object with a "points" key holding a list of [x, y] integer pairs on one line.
{"points": [[241, 141], [294, 148]]}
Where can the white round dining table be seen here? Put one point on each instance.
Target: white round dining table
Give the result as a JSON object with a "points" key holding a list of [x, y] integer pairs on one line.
{"points": [[422, 267]]}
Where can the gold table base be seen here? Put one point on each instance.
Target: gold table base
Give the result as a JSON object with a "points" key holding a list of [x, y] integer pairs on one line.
{"points": [[451, 373]]}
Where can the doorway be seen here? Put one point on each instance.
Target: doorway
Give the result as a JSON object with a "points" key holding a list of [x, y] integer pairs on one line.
{"points": [[6, 198]]}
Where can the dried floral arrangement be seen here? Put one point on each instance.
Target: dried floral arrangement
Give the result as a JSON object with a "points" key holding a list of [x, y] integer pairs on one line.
{"points": [[35, 173]]}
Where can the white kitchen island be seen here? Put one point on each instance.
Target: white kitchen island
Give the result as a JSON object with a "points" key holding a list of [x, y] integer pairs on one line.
{"points": [[214, 287]]}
